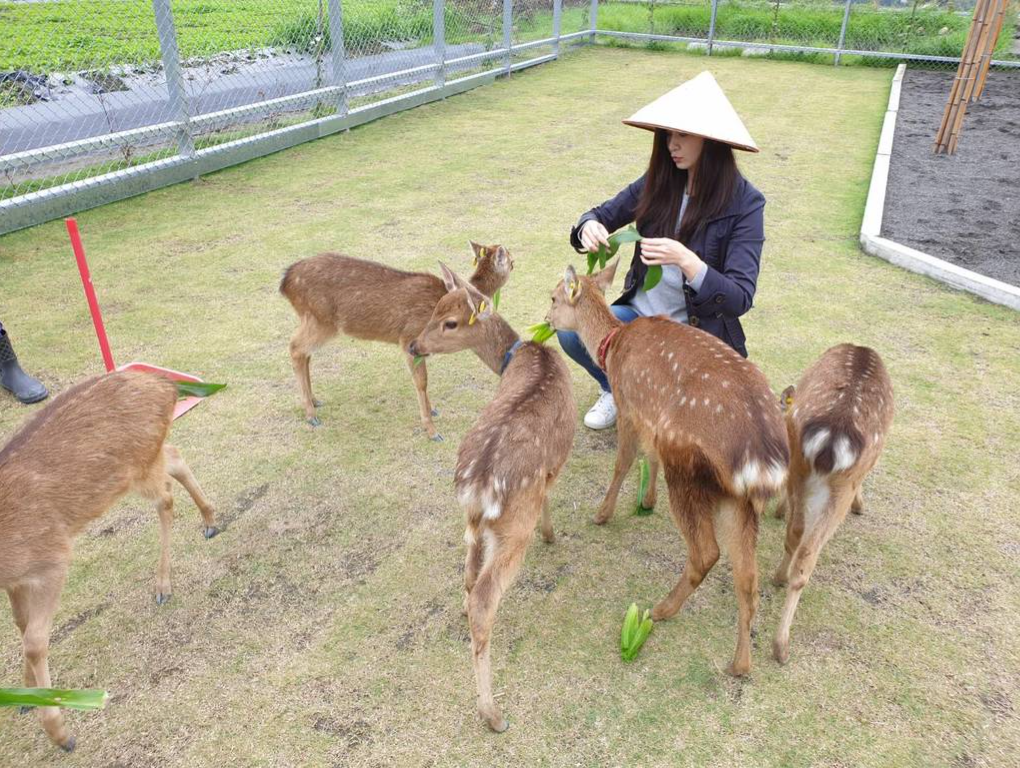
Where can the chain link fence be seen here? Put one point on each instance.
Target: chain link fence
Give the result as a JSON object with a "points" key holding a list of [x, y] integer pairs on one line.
{"points": [[103, 99]]}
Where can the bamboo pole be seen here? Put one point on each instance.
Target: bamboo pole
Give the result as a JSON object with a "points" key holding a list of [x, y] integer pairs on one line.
{"points": [[986, 61], [968, 92], [963, 83]]}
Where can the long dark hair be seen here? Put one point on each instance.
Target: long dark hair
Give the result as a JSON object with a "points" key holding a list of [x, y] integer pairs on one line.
{"points": [[665, 183]]}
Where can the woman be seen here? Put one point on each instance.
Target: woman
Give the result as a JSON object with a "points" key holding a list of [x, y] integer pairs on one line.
{"points": [[700, 220]]}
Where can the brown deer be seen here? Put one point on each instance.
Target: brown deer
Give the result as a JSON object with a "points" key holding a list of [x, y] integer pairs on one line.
{"points": [[100, 439], [332, 293], [506, 463], [841, 412], [706, 414]]}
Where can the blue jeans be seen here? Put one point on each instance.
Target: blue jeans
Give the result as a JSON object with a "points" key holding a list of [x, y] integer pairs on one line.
{"points": [[575, 350]]}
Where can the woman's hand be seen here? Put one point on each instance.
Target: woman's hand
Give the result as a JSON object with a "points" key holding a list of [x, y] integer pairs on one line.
{"points": [[593, 234], [665, 250]]}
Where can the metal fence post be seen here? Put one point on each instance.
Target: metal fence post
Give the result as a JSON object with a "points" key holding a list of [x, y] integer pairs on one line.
{"points": [[557, 22], [593, 21], [842, 31], [338, 54], [439, 40], [177, 96], [508, 26], [711, 25]]}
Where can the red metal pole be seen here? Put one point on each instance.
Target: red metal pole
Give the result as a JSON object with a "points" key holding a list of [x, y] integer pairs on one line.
{"points": [[90, 292]]}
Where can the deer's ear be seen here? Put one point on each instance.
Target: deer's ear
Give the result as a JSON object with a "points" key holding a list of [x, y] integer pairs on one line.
{"points": [[571, 284], [604, 279], [450, 278], [786, 399], [503, 260], [478, 252], [480, 304]]}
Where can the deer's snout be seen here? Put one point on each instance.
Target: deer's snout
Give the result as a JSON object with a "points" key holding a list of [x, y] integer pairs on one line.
{"points": [[414, 350]]}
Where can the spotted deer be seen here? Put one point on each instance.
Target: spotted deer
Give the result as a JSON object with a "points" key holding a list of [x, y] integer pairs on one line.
{"points": [[837, 419], [332, 294], [704, 413], [67, 466], [507, 462]]}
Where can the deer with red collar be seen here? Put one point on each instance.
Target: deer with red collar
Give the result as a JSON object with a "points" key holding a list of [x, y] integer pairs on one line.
{"points": [[67, 466], [330, 292], [704, 413], [837, 418], [507, 462]]}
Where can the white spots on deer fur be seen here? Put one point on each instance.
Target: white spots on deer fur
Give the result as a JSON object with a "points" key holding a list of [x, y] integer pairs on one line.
{"points": [[694, 402], [706, 401], [469, 536], [845, 454], [670, 356], [719, 409], [725, 384], [704, 377], [683, 400], [676, 367], [816, 499], [813, 445]]}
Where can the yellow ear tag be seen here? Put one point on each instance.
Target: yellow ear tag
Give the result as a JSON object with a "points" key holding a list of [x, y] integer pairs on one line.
{"points": [[574, 288], [471, 320], [479, 255], [789, 400]]}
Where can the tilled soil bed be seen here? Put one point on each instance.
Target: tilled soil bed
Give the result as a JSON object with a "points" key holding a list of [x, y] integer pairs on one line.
{"points": [[964, 208]]}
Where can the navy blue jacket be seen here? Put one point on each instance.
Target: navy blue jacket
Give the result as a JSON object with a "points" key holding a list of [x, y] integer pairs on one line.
{"points": [[729, 244]]}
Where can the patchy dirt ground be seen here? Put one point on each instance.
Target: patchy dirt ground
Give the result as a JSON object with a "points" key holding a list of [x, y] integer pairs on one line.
{"points": [[322, 627], [965, 207]]}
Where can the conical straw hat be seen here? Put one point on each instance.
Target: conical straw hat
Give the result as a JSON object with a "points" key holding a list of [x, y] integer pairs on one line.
{"points": [[700, 107]]}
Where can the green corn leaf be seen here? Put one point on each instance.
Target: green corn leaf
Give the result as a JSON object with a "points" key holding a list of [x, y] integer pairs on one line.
{"points": [[593, 259], [51, 697], [629, 235], [542, 332], [603, 254], [197, 388], [643, 630], [418, 360], [495, 300], [645, 479], [630, 627], [653, 276]]}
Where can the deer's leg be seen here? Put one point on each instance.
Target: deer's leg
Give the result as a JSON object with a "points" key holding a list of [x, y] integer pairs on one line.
{"points": [[19, 609], [692, 510], [819, 527], [420, 375], [548, 535], [179, 470], [165, 510], [503, 559], [648, 502], [857, 505], [39, 605], [739, 522], [794, 534], [782, 505], [472, 562], [626, 450], [309, 336]]}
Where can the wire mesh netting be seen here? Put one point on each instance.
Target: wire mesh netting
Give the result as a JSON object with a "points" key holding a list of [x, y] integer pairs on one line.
{"points": [[97, 92]]}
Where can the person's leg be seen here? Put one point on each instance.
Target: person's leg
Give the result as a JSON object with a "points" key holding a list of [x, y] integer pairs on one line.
{"points": [[574, 349], [24, 387]]}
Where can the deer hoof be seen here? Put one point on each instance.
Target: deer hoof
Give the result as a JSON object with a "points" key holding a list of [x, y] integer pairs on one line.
{"points": [[315, 421], [734, 671], [211, 531], [498, 725], [70, 744], [434, 411], [163, 598], [781, 651], [436, 438]]}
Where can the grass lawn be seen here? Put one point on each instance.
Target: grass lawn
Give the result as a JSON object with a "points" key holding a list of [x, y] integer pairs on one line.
{"points": [[323, 626]]}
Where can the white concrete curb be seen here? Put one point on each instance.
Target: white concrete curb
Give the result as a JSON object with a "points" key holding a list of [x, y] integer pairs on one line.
{"points": [[871, 227]]}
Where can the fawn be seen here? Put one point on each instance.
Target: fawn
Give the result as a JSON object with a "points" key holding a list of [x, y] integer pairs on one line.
{"points": [[506, 463], [837, 418], [67, 466], [706, 414], [332, 293]]}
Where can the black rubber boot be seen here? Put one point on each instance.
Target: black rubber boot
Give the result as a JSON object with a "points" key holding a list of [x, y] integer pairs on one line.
{"points": [[14, 380]]}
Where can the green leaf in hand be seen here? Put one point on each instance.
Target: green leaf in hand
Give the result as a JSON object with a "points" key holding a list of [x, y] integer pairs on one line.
{"points": [[603, 254], [652, 276], [197, 388]]}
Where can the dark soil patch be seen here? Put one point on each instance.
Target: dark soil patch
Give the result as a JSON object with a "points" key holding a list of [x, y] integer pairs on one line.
{"points": [[964, 208]]}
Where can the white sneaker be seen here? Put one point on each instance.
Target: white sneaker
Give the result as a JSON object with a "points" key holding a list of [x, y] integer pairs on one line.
{"points": [[603, 414]]}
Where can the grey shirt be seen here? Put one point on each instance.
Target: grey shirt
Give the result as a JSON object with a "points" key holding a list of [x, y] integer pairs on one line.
{"points": [[667, 298]]}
